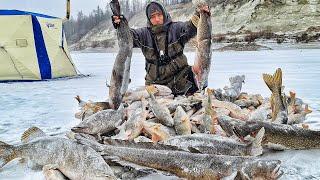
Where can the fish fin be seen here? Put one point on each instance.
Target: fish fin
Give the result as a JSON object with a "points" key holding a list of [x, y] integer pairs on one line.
{"points": [[305, 126], [268, 80], [78, 98], [274, 81], [157, 126], [151, 89], [32, 133], [185, 119], [277, 79], [194, 150], [210, 92], [85, 140], [7, 153], [121, 107], [307, 110], [97, 109], [256, 148], [155, 138]]}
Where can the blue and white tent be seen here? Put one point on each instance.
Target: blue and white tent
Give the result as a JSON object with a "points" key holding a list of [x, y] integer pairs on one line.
{"points": [[33, 47]]}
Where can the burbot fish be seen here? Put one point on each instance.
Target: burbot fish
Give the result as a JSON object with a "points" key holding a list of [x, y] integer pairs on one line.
{"points": [[190, 165], [101, 122], [214, 144]]}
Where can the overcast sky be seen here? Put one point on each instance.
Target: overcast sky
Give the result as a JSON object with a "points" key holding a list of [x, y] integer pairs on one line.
{"points": [[53, 7]]}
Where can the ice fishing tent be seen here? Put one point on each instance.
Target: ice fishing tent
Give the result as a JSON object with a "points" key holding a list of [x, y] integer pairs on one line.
{"points": [[33, 47]]}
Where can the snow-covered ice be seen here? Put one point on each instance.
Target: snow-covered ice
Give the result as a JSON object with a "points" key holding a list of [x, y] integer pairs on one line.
{"points": [[50, 104]]}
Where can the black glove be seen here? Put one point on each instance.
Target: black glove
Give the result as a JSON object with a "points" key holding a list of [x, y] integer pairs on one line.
{"points": [[122, 18]]}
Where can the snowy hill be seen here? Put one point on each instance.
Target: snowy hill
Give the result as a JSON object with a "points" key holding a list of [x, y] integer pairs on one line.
{"points": [[233, 21]]}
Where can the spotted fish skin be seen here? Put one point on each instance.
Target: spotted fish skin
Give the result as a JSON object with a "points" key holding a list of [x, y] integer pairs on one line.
{"points": [[184, 164], [101, 122], [73, 160], [201, 67], [120, 76], [286, 136], [215, 144]]}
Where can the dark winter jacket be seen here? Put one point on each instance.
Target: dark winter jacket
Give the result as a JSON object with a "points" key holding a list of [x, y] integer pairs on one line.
{"points": [[174, 71]]}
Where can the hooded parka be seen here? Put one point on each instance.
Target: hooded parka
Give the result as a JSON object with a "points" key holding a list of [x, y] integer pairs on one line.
{"points": [[163, 48]]}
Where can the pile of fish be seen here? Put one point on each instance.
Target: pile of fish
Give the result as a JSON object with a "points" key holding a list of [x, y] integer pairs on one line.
{"points": [[221, 133], [212, 135]]}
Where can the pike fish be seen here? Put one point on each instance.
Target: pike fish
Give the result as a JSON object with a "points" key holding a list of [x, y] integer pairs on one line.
{"points": [[121, 68], [161, 112], [214, 144], [101, 122], [278, 101], [276, 135], [188, 165], [74, 160], [201, 67]]}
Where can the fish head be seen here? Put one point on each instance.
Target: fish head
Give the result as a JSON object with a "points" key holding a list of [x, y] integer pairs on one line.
{"points": [[81, 129], [249, 128], [262, 169], [238, 127], [228, 125], [237, 79]]}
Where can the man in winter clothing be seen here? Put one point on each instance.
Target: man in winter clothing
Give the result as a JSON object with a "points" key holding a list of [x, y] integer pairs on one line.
{"points": [[162, 43]]}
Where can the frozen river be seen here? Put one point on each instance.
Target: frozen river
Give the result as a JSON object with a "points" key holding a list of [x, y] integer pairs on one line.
{"points": [[50, 104]]}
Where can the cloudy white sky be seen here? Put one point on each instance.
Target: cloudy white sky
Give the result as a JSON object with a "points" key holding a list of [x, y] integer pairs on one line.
{"points": [[53, 7]]}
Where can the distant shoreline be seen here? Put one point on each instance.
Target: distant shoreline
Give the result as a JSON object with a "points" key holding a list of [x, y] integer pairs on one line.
{"points": [[237, 46]]}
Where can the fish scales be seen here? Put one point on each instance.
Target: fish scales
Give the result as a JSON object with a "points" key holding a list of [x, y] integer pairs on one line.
{"points": [[121, 68]]}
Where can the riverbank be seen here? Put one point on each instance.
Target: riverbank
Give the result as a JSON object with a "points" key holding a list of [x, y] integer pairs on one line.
{"points": [[233, 46]]}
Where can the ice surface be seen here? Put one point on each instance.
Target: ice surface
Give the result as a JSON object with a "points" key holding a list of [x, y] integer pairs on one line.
{"points": [[50, 104]]}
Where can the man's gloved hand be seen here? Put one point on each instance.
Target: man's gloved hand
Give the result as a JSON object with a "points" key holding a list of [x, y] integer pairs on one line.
{"points": [[116, 20]]}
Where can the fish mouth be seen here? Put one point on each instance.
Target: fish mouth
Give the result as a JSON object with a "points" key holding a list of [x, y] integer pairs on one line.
{"points": [[79, 129]]}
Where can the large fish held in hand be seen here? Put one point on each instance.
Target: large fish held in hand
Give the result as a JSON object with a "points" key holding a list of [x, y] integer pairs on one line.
{"points": [[74, 160], [278, 100], [121, 68], [201, 67]]}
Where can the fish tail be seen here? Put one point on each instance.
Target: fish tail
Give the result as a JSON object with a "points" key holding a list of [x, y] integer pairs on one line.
{"points": [[274, 82], [256, 148], [7, 153], [78, 98], [292, 94]]}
